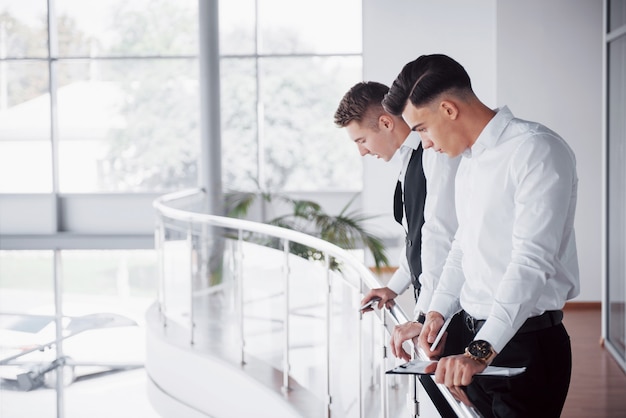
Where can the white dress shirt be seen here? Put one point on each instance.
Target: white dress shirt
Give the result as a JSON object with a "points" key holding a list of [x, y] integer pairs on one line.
{"points": [[514, 253], [439, 221]]}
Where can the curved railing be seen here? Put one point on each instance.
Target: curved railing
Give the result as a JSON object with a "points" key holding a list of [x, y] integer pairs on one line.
{"points": [[236, 286]]}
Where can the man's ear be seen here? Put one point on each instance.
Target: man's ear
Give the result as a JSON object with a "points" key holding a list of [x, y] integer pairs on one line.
{"points": [[385, 121], [449, 109]]}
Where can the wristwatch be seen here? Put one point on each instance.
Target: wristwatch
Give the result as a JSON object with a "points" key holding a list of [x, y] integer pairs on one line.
{"points": [[480, 350]]}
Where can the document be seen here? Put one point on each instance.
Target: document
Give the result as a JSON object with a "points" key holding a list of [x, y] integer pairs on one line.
{"points": [[419, 367]]}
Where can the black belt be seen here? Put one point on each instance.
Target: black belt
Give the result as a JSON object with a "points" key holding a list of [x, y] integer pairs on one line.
{"points": [[546, 320]]}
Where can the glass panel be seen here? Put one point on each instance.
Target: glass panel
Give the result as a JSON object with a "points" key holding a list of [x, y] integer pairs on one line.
{"points": [[26, 281], [105, 296], [239, 125], [303, 148], [26, 309], [616, 228], [128, 126], [25, 147], [127, 27], [325, 26], [23, 28], [616, 13], [237, 26]]}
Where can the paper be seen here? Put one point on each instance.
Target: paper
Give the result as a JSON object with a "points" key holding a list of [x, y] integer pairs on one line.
{"points": [[419, 367]]}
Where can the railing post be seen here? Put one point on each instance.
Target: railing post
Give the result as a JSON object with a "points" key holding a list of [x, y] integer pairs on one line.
{"points": [[191, 304], [239, 287], [159, 242], [360, 348], [328, 332], [383, 375], [286, 272], [413, 398]]}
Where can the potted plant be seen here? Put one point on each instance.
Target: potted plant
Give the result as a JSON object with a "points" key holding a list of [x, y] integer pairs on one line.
{"points": [[346, 230]]}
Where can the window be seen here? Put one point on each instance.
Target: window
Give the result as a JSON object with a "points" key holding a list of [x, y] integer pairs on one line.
{"points": [[99, 114], [99, 107], [285, 66]]}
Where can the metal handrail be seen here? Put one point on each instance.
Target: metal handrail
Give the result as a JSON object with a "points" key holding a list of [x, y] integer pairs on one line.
{"points": [[367, 279], [160, 204]]}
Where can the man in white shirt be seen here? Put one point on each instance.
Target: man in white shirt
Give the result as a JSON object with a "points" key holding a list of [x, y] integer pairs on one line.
{"points": [[513, 262], [428, 219]]}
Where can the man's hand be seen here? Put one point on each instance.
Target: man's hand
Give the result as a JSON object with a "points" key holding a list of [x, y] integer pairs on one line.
{"points": [[385, 295], [402, 333], [456, 372], [432, 325]]}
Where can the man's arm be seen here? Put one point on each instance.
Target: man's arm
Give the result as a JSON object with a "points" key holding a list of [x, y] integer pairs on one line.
{"points": [[399, 282], [440, 222], [545, 198]]}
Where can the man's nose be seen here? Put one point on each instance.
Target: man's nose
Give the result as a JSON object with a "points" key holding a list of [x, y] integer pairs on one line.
{"points": [[362, 150], [426, 143]]}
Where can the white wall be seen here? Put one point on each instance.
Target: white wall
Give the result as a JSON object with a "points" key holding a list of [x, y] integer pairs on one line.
{"points": [[553, 75], [397, 32], [542, 59]]}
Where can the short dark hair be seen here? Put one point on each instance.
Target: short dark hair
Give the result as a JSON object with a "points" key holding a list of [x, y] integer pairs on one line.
{"points": [[361, 103], [423, 79]]}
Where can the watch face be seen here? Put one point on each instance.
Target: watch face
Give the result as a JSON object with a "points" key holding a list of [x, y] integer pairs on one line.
{"points": [[479, 348]]}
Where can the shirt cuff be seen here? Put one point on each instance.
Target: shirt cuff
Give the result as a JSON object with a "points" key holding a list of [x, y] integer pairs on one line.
{"points": [[399, 282], [423, 301], [496, 332]]}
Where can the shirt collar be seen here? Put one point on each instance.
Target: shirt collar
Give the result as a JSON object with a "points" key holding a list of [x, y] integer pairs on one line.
{"points": [[491, 134], [411, 142], [409, 145]]}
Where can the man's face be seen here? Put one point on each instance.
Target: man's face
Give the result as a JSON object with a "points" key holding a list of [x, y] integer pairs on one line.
{"points": [[376, 142], [435, 128]]}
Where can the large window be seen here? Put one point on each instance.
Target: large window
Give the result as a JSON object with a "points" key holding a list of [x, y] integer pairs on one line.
{"points": [[100, 114], [125, 97], [101, 99]]}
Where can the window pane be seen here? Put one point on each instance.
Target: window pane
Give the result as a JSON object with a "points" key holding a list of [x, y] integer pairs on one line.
{"points": [[106, 276], [128, 126], [119, 285], [127, 27], [26, 320], [239, 125], [26, 281], [304, 150], [25, 147], [237, 25], [23, 28], [106, 294], [617, 14], [324, 26]]}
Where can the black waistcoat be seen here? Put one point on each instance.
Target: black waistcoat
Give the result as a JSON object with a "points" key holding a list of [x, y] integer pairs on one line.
{"points": [[414, 200]]}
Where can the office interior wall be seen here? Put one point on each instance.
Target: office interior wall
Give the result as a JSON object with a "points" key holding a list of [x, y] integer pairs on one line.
{"points": [[543, 60], [553, 75], [397, 32]]}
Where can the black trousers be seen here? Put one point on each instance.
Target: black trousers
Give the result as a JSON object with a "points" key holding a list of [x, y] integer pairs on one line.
{"points": [[538, 392]]}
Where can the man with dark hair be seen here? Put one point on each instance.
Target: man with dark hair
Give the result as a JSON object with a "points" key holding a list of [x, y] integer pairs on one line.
{"points": [[513, 262], [429, 221]]}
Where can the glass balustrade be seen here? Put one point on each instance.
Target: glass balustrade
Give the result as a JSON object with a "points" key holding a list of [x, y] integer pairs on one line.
{"points": [[249, 291]]}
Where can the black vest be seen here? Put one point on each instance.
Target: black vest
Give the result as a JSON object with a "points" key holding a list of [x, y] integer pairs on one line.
{"points": [[414, 200]]}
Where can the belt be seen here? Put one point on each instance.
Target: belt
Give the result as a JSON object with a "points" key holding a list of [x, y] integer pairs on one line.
{"points": [[546, 320]]}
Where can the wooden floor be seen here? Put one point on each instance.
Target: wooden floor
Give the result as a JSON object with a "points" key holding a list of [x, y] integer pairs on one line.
{"points": [[598, 386]]}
